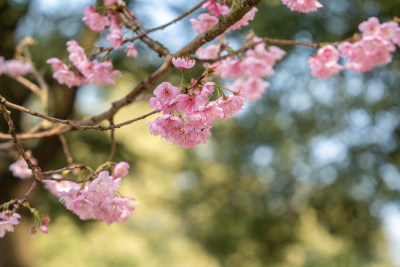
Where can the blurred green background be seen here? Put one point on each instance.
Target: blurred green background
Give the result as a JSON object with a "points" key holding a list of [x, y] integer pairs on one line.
{"points": [[309, 176]]}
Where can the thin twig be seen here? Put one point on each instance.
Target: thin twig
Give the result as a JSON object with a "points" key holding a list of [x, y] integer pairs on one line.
{"points": [[64, 145], [113, 143], [70, 167], [28, 84]]}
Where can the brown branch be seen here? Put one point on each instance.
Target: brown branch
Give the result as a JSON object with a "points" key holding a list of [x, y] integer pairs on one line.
{"points": [[224, 23], [146, 32], [131, 22], [34, 168]]}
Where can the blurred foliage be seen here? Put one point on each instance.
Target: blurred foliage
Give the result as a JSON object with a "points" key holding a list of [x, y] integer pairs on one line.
{"points": [[297, 179]]}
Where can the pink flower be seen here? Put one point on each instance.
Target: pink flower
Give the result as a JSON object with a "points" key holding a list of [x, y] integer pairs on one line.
{"points": [[370, 27], [43, 225], [183, 63], [231, 105], [244, 21], [78, 57], [302, 5], [252, 88], [98, 200], [20, 168], [115, 37], [103, 73], [210, 52], [324, 64], [203, 23], [94, 20], [59, 188], [7, 222], [14, 67], [215, 8], [370, 51], [131, 51], [121, 169]]}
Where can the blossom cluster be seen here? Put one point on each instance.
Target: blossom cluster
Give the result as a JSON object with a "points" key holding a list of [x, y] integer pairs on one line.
{"points": [[86, 71], [14, 67], [97, 199], [249, 71], [373, 49], [304, 6], [7, 221]]}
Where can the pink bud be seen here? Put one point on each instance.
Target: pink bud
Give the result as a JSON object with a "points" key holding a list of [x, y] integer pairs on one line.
{"points": [[121, 169], [43, 228], [33, 230]]}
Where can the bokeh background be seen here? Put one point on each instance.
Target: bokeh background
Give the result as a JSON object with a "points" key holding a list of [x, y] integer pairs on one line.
{"points": [[308, 176]]}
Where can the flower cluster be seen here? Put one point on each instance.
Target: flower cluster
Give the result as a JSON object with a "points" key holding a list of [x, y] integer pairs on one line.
{"points": [[250, 70], [373, 49], [86, 71], [304, 6], [188, 112], [14, 67], [375, 46], [7, 221], [324, 63], [97, 199]]}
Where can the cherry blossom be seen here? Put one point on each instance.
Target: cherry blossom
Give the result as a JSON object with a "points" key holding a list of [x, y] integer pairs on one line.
{"points": [[302, 5], [209, 52], [325, 63], [20, 168], [97, 199], [14, 67], [215, 8], [183, 63], [131, 50], [7, 221], [204, 22], [121, 169], [94, 20]]}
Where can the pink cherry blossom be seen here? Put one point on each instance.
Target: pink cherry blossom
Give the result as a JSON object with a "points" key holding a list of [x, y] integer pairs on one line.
{"points": [[131, 50], [20, 168], [64, 75], [302, 5], [115, 37], [94, 20], [78, 57], [204, 22], [121, 169], [43, 225], [59, 188], [7, 221], [215, 8], [209, 52], [98, 200], [370, 27], [231, 104], [324, 63], [103, 73], [244, 21], [14, 67], [252, 88], [183, 63]]}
